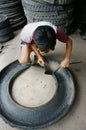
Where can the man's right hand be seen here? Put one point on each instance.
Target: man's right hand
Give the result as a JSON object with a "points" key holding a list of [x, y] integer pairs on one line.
{"points": [[41, 61]]}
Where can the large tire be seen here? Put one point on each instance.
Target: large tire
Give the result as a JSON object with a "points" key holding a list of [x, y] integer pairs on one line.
{"points": [[6, 37], [64, 2], [37, 117], [6, 32], [59, 2], [4, 22]]}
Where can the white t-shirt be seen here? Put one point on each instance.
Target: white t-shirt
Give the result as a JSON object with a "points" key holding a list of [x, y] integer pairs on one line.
{"points": [[28, 30]]}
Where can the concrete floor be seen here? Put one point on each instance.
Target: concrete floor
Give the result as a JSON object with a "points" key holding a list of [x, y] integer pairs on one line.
{"points": [[76, 118]]}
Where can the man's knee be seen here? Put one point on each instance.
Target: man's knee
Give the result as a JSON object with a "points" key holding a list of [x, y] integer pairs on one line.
{"points": [[23, 61]]}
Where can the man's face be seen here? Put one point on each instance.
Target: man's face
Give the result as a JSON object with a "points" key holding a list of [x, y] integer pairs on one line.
{"points": [[43, 52]]}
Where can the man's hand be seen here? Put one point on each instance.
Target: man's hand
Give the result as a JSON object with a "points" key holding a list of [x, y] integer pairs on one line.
{"points": [[41, 61], [65, 63]]}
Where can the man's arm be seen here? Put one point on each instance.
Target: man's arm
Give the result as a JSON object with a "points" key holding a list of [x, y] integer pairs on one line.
{"points": [[24, 54], [41, 60], [66, 61]]}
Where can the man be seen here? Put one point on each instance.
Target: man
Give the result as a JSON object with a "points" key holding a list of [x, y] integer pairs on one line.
{"points": [[40, 37]]}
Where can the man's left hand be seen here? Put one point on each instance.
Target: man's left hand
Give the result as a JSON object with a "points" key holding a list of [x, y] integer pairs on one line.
{"points": [[65, 63]]}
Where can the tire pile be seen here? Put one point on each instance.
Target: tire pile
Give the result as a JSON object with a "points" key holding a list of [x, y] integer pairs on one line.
{"points": [[61, 13], [13, 10]]}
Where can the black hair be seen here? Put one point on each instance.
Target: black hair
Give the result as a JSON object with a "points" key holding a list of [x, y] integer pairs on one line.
{"points": [[45, 37]]}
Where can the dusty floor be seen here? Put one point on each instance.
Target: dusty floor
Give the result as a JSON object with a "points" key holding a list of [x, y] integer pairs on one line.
{"points": [[76, 118]]}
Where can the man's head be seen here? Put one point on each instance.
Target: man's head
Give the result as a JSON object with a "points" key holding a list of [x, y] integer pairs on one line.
{"points": [[45, 38]]}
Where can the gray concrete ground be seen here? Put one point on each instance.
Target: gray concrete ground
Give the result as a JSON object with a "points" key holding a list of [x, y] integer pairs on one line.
{"points": [[37, 95]]}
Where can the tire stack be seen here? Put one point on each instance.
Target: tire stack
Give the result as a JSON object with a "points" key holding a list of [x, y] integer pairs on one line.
{"points": [[6, 32], [60, 13], [14, 12]]}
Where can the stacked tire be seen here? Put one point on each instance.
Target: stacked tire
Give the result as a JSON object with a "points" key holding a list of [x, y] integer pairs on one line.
{"points": [[61, 13], [61, 2], [6, 32], [13, 10]]}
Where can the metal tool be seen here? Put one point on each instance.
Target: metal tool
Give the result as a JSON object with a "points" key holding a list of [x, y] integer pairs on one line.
{"points": [[50, 71]]}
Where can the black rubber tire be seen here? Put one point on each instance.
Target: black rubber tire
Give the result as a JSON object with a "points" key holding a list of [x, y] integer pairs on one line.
{"points": [[64, 2], [6, 37], [59, 2], [7, 1], [37, 6], [37, 117], [19, 25], [9, 4], [4, 22], [5, 31]]}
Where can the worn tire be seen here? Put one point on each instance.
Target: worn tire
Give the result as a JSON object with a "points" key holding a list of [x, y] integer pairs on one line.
{"points": [[6, 32], [4, 22], [37, 117], [6, 37], [64, 2], [59, 2]]}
